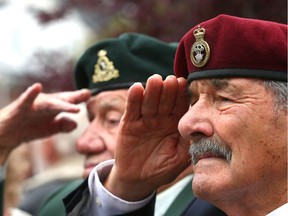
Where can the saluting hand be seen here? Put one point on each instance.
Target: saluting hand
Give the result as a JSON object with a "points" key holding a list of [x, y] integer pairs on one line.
{"points": [[150, 151], [34, 115]]}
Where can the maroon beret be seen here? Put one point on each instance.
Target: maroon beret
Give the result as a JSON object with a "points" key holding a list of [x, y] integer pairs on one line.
{"points": [[228, 46]]}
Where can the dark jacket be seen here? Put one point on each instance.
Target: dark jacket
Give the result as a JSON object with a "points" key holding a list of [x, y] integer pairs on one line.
{"points": [[79, 199]]}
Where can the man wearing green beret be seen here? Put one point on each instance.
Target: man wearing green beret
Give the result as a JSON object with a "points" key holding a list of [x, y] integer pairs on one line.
{"points": [[236, 71]]}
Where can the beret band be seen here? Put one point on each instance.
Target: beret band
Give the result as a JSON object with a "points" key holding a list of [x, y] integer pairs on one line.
{"points": [[114, 86], [225, 73]]}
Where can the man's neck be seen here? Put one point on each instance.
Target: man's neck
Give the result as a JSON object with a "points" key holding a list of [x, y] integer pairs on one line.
{"points": [[187, 171]]}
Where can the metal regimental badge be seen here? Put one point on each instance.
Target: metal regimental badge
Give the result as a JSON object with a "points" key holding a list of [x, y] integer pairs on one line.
{"points": [[104, 68], [200, 50]]}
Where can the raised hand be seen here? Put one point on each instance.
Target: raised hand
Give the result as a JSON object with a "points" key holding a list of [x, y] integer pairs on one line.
{"points": [[150, 151], [34, 115]]}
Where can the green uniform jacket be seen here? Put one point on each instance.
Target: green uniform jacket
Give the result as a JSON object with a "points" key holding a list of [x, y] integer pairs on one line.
{"points": [[54, 206], [77, 201], [2, 195]]}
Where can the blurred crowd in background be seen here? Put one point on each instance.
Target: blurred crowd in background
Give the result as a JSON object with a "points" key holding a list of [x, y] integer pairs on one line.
{"points": [[41, 40]]}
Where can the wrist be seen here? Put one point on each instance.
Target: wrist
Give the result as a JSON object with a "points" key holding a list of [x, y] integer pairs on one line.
{"points": [[125, 189]]}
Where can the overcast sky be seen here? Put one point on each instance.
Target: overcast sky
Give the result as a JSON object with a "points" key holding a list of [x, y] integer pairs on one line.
{"points": [[21, 34]]}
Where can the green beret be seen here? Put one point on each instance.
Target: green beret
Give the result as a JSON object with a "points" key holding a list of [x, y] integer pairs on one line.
{"points": [[117, 63]]}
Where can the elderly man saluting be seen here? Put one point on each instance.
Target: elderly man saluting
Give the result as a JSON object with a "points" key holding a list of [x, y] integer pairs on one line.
{"points": [[236, 70]]}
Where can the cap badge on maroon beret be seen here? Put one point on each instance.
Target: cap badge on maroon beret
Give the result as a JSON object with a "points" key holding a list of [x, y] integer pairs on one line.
{"points": [[200, 50], [104, 68]]}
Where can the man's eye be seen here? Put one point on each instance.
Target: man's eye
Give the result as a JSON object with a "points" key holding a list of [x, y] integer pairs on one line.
{"points": [[91, 118], [114, 121], [225, 99]]}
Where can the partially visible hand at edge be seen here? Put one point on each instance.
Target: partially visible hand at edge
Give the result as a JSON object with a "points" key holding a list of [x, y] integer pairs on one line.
{"points": [[33, 115]]}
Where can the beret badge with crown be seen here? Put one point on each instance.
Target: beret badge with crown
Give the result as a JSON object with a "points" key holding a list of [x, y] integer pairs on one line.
{"points": [[200, 50], [104, 68]]}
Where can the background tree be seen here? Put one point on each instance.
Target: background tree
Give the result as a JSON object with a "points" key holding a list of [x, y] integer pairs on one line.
{"points": [[167, 20]]}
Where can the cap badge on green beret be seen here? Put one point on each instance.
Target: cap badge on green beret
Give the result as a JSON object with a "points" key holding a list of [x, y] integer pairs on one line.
{"points": [[200, 50], [104, 68]]}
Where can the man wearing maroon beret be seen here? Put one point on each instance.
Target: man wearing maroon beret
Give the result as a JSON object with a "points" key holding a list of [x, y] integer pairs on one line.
{"points": [[235, 71]]}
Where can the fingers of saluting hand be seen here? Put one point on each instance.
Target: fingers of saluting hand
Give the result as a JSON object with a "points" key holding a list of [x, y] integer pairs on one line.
{"points": [[61, 102], [168, 96], [182, 101], [74, 97], [33, 99], [27, 98], [152, 96], [159, 97], [165, 97], [134, 102]]}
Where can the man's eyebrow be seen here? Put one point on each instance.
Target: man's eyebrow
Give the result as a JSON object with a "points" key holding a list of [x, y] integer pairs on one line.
{"points": [[114, 103], [222, 84], [225, 85]]}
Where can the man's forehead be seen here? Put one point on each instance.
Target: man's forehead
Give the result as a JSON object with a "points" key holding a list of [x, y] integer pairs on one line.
{"points": [[236, 83], [109, 93], [217, 83], [108, 97]]}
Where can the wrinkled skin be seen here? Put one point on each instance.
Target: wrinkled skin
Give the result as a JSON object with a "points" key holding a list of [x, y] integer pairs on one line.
{"points": [[237, 113], [240, 114], [150, 151], [98, 142]]}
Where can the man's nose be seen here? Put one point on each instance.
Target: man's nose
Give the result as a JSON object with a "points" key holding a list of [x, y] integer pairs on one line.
{"points": [[90, 141], [197, 121]]}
